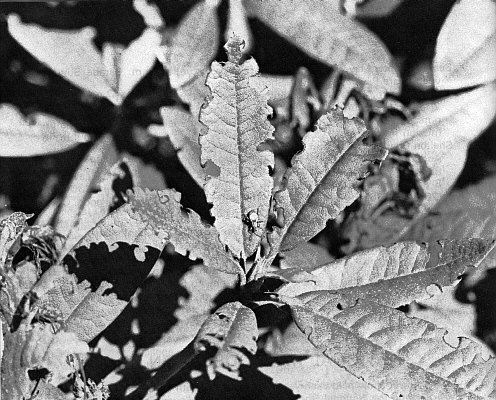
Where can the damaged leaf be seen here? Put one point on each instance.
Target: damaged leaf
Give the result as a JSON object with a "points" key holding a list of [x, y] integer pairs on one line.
{"points": [[322, 179], [232, 329], [399, 355], [392, 276], [236, 118]]}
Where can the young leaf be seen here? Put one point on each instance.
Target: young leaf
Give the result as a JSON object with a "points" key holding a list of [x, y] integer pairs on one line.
{"points": [[392, 276], [399, 355], [465, 46], [38, 135], [96, 163], [194, 45], [71, 54], [11, 229], [232, 329], [318, 29], [454, 122], [236, 117], [322, 178]]}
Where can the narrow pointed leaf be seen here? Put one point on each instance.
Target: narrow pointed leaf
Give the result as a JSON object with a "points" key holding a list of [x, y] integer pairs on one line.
{"points": [[195, 44], [40, 134], [236, 118], [232, 329], [392, 276], [318, 29], [465, 46], [71, 54], [399, 355], [454, 122], [322, 179], [96, 163]]}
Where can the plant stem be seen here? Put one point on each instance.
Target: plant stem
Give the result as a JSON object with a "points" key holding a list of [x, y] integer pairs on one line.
{"points": [[168, 369]]}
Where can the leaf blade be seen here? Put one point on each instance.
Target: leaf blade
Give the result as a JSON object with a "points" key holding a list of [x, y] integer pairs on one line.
{"points": [[333, 161], [244, 184]]}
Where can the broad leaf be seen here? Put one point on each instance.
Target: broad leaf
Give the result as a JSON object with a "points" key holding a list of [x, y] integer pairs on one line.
{"points": [[110, 262], [194, 45], [392, 276], [38, 135], [399, 355], [236, 118], [96, 163], [71, 54], [232, 329], [318, 29], [454, 122], [463, 213], [74, 56], [322, 179], [465, 46], [36, 347]]}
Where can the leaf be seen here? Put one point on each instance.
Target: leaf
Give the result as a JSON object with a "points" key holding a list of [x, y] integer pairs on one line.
{"points": [[236, 117], [392, 276], [180, 127], [11, 229], [33, 347], [462, 213], [194, 45], [464, 54], [306, 254], [322, 179], [233, 330], [454, 122], [96, 163], [126, 67], [71, 54], [399, 355], [237, 24], [319, 30], [377, 8], [38, 135]]}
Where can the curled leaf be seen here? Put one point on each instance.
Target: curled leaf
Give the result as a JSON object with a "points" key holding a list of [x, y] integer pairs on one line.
{"points": [[236, 118], [322, 179], [11, 229], [232, 329], [465, 46], [38, 135]]}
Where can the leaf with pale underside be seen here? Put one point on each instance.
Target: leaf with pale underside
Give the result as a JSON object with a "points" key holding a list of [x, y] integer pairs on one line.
{"points": [[109, 263], [399, 355], [40, 134], [318, 29], [322, 179], [232, 329], [441, 132], [465, 46], [236, 118], [194, 45], [392, 276]]}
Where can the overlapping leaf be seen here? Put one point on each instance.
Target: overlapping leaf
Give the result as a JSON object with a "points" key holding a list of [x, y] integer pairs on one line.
{"points": [[322, 178], [110, 262], [236, 117], [11, 229], [318, 29], [465, 46], [73, 55], [194, 45], [399, 355], [233, 330], [392, 276], [454, 122], [39, 135]]}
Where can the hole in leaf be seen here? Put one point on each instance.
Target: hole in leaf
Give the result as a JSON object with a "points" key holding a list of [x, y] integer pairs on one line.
{"points": [[339, 307]]}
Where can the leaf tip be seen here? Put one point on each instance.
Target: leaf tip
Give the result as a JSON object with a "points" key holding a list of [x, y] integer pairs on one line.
{"points": [[234, 48]]}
